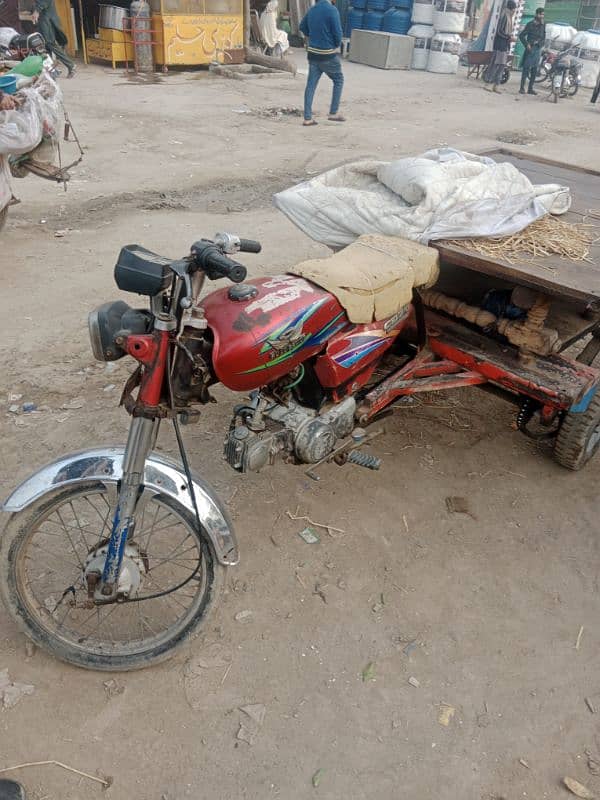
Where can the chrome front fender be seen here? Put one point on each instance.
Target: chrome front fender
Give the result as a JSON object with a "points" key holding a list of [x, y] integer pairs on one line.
{"points": [[161, 476]]}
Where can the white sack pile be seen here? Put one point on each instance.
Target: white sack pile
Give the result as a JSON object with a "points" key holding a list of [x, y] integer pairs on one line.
{"points": [[442, 194]]}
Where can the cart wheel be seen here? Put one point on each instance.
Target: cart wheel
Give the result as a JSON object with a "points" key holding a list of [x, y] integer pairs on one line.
{"points": [[3, 215], [505, 76], [579, 437]]}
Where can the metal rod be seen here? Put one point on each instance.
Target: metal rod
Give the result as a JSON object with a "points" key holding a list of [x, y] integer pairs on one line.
{"points": [[83, 43]]}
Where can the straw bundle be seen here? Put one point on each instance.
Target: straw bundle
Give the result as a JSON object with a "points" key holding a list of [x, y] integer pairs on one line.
{"points": [[545, 237]]}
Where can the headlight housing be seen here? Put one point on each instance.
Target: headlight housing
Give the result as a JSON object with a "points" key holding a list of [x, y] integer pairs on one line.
{"points": [[111, 320]]}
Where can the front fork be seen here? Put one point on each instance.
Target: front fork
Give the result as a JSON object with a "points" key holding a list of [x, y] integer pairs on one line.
{"points": [[151, 351], [141, 440]]}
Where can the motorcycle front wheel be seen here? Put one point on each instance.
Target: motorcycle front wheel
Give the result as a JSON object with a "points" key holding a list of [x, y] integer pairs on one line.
{"points": [[46, 549], [542, 75]]}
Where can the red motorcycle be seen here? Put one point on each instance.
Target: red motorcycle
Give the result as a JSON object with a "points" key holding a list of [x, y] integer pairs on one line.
{"points": [[114, 556]]}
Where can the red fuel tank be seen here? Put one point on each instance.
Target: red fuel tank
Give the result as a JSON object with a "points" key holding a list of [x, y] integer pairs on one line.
{"points": [[264, 329]]}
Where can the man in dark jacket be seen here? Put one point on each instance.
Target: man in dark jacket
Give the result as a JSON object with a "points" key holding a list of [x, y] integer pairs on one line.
{"points": [[323, 29], [9, 15], [532, 38], [48, 24]]}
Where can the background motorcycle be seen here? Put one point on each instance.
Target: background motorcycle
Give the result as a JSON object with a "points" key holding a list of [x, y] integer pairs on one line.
{"points": [[29, 44], [546, 61], [565, 76]]}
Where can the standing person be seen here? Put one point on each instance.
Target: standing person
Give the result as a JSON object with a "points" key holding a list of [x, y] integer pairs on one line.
{"points": [[9, 15], [48, 24], [532, 38], [502, 41], [323, 29]]}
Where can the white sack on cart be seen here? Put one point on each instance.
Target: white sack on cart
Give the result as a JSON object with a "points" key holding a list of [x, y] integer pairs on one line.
{"points": [[442, 194], [22, 129], [6, 36]]}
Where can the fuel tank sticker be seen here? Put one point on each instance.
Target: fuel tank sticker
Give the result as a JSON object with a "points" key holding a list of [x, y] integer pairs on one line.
{"points": [[285, 291], [287, 340]]}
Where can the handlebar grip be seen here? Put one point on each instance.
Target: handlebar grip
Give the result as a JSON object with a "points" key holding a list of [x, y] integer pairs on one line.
{"points": [[250, 246], [216, 264], [237, 272]]}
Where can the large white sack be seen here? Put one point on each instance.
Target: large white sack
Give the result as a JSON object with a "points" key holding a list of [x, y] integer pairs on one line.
{"points": [[442, 194], [22, 129]]}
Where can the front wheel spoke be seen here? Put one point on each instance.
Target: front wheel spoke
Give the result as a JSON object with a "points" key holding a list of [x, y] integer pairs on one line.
{"points": [[77, 556], [104, 519], [178, 564], [150, 532], [87, 547], [170, 559], [62, 559], [101, 620], [173, 525], [168, 596], [144, 623], [63, 581], [176, 549]]}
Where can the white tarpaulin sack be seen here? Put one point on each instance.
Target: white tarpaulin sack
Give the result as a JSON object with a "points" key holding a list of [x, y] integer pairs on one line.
{"points": [[443, 194]]}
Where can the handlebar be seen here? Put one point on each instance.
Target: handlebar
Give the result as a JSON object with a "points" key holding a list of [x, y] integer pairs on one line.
{"points": [[250, 246], [210, 258]]}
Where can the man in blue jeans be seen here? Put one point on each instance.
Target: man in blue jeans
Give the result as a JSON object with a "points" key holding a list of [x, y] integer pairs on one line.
{"points": [[323, 29]]}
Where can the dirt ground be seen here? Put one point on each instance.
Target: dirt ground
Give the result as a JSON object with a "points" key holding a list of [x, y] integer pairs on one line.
{"points": [[484, 611]]}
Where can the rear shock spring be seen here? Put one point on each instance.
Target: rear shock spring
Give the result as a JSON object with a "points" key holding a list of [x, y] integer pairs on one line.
{"points": [[524, 417]]}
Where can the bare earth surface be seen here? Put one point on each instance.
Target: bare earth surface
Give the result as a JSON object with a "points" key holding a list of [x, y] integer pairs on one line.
{"points": [[483, 611]]}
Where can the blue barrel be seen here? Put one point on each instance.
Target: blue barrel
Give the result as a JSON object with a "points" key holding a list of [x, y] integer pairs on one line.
{"points": [[354, 19], [373, 21], [378, 5], [396, 20], [406, 4], [360, 4]]}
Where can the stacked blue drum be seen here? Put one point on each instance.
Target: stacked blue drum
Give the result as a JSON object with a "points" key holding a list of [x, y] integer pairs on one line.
{"points": [[391, 16]]}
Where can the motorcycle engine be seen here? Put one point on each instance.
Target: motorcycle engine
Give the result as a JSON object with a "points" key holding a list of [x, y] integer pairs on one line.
{"points": [[261, 430]]}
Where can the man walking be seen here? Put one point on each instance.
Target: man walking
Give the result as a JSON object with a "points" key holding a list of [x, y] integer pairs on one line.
{"points": [[532, 38], [48, 24], [323, 29], [502, 41]]}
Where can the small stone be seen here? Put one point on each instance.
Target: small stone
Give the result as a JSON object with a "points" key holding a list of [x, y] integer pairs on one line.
{"points": [[414, 682], [78, 402], [243, 616], [29, 407]]}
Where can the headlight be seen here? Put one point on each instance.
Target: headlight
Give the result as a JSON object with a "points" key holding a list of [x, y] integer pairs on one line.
{"points": [[103, 324]]}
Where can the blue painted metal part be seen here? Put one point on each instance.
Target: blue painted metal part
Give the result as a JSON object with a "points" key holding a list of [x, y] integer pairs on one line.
{"points": [[116, 548], [585, 401]]}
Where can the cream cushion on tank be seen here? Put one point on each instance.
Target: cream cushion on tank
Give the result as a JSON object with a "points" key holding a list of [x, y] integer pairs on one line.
{"points": [[373, 277]]}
